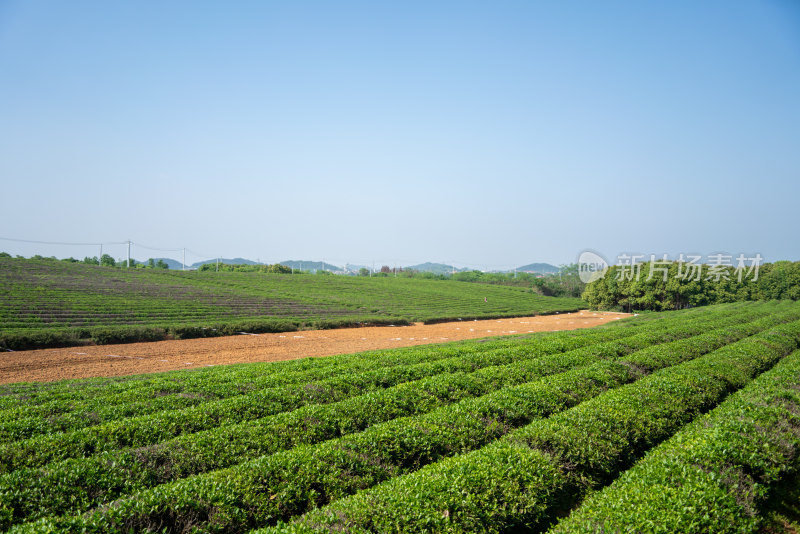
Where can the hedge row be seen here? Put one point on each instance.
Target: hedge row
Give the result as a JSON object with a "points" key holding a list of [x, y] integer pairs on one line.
{"points": [[224, 383], [72, 487], [151, 429], [299, 480], [31, 391], [70, 337], [55, 397], [77, 484], [73, 408], [534, 474], [156, 395], [310, 476], [715, 475], [29, 394]]}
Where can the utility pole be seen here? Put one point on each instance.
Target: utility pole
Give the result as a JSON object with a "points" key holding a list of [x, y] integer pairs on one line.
{"points": [[183, 265], [217, 264], [129, 253], [100, 259], [373, 269]]}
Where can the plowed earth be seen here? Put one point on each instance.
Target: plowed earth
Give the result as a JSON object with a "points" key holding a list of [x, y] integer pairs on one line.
{"points": [[136, 358]]}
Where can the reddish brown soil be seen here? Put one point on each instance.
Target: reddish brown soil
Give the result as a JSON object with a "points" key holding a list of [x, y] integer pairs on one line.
{"points": [[117, 360]]}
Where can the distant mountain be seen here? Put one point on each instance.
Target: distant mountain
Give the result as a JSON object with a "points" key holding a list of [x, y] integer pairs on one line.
{"points": [[173, 265], [312, 266], [542, 268], [436, 268], [234, 261]]}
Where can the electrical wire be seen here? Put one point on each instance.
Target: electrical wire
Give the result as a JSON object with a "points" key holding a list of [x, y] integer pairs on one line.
{"points": [[61, 242], [155, 248]]}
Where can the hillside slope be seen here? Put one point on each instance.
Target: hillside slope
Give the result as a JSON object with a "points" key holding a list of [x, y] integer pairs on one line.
{"points": [[48, 302]]}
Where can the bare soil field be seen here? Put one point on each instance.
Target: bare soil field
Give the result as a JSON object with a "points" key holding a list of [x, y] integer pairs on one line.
{"points": [[119, 360]]}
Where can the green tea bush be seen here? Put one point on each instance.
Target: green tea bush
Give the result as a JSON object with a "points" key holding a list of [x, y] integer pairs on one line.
{"points": [[305, 476], [716, 475], [582, 448]]}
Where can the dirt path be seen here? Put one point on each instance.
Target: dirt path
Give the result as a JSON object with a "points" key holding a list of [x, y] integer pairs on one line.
{"points": [[118, 360]]}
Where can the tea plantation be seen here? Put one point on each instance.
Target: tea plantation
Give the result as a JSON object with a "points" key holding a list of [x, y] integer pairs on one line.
{"points": [[47, 303], [684, 421]]}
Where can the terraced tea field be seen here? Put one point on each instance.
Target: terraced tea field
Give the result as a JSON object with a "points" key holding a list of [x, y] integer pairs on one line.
{"points": [[676, 422], [53, 303]]}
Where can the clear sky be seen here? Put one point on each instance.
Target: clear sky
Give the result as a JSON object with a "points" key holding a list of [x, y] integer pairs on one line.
{"points": [[492, 134]]}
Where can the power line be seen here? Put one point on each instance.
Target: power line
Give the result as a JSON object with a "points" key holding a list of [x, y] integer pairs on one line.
{"points": [[62, 242], [157, 248], [190, 251], [98, 244], [451, 264]]}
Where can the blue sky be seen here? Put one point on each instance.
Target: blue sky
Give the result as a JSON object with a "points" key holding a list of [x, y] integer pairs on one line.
{"points": [[492, 134]]}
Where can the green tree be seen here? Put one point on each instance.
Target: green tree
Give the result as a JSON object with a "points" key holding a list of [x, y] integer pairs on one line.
{"points": [[621, 289], [279, 268], [107, 261]]}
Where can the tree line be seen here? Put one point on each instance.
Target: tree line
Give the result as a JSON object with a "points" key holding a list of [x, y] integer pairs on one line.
{"points": [[276, 268], [671, 287], [565, 283], [105, 260]]}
